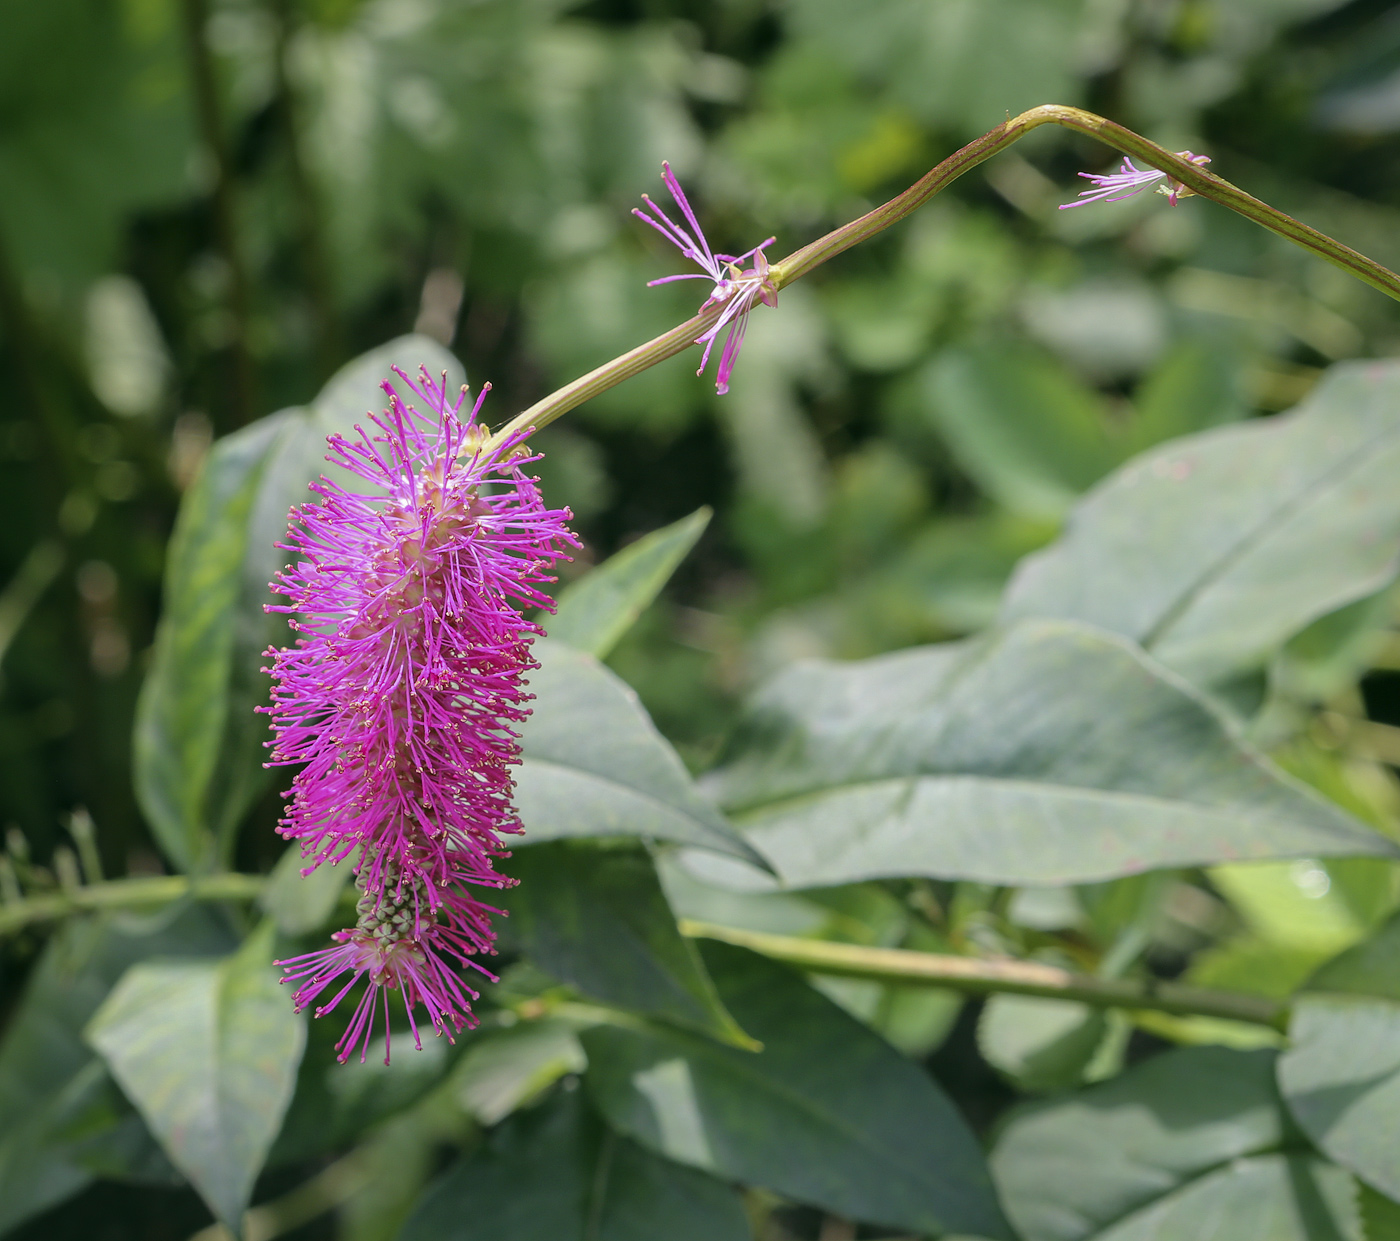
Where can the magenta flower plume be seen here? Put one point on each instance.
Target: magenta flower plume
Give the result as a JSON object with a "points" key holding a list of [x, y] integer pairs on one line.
{"points": [[400, 695], [1129, 180], [736, 288]]}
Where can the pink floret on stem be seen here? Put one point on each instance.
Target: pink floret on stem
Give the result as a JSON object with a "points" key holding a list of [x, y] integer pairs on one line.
{"points": [[736, 288], [1112, 187]]}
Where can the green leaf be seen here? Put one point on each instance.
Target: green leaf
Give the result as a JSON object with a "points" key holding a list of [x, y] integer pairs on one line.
{"points": [[198, 744], [555, 1174], [1046, 753], [208, 1052], [828, 1113], [1214, 550], [1333, 653], [1041, 1045], [595, 611], [1341, 1073], [58, 1124], [182, 715], [594, 764], [596, 918], [334, 1104], [1371, 968], [1282, 1197], [300, 904], [1191, 1143], [510, 1068], [1380, 1216], [1195, 385], [1030, 433]]}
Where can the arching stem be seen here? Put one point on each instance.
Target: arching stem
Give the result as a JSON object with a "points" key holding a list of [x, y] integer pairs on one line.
{"points": [[798, 264]]}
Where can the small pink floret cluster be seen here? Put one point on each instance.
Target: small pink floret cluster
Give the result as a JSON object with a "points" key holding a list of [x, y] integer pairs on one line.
{"points": [[736, 288], [1113, 187], [400, 696]]}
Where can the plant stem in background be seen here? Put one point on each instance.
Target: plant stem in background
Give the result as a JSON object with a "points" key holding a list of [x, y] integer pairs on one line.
{"points": [[1187, 172], [980, 976], [798, 264], [143, 893], [33, 577], [58, 464], [310, 218], [206, 94], [975, 975]]}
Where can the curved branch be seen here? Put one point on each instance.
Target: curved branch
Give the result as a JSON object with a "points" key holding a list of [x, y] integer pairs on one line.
{"points": [[127, 894], [800, 262], [982, 976], [978, 976]]}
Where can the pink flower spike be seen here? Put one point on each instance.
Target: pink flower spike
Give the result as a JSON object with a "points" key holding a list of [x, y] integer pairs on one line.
{"points": [[735, 287], [400, 697], [1130, 179]]}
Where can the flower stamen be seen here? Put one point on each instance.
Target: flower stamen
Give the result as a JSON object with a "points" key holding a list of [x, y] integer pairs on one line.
{"points": [[736, 287], [1113, 187]]}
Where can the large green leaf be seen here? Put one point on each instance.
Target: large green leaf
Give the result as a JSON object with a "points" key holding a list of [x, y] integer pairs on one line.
{"points": [[1213, 550], [595, 611], [1341, 1074], [208, 1051], [1046, 753], [1190, 1144], [555, 1174], [198, 744], [828, 1113], [183, 712], [594, 764], [597, 918], [57, 1124]]}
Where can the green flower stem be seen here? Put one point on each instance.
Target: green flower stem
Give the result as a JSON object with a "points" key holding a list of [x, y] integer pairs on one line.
{"points": [[610, 374], [1194, 177], [980, 976], [897, 965], [127, 894], [798, 264]]}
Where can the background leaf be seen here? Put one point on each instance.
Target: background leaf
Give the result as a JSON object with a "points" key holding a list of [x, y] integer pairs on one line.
{"points": [[510, 1068], [1046, 753], [208, 1052], [594, 764], [105, 128], [184, 707], [555, 1174], [54, 1116], [1022, 425], [1212, 551], [595, 611], [1341, 1073], [1046, 1045], [827, 1113], [1185, 1144], [300, 903], [596, 918]]}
